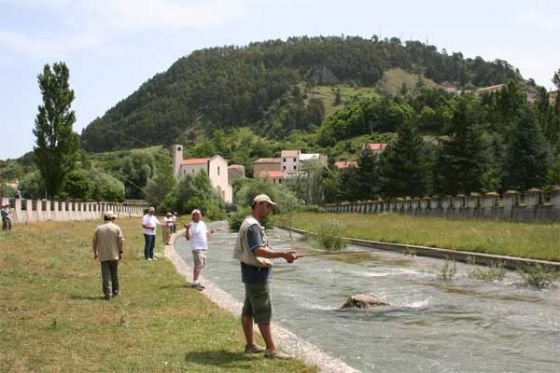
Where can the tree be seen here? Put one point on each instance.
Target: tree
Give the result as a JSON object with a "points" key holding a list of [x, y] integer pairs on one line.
{"points": [[367, 175], [196, 191], [404, 165], [527, 158], [462, 158], [57, 146], [161, 184], [556, 79]]}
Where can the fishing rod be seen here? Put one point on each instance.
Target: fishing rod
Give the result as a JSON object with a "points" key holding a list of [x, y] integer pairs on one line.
{"points": [[329, 253]]}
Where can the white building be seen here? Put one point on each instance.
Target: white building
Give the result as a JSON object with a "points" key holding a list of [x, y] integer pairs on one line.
{"points": [[289, 161], [215, 167]]}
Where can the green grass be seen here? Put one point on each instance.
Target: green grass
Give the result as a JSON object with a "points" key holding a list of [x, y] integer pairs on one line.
{"points": [[392, 81], [535, 241], [54, 320], [327, 94]]}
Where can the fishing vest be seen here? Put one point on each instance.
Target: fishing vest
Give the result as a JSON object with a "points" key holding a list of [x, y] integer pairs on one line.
{"points": [[241, 250]]}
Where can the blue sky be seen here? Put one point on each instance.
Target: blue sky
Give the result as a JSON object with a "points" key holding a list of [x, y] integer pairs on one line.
{"points": [[112, 46]]}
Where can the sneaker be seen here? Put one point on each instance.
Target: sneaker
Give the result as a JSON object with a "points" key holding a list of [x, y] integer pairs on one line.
{"points": [[274, 354], [254, 349], [198, 286]]}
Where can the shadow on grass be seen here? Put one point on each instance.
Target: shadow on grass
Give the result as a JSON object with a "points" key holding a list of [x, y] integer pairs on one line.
{"points": [[220, 358], [88, 297]]}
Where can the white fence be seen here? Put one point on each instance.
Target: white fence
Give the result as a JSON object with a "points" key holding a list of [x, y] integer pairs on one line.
{"points": [[29, 211]]}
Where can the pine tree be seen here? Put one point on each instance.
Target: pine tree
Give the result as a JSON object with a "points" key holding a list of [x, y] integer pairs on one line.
{"points": [[57, 146], [527, 157], [367, 175], [405, 165], [462, 159]]}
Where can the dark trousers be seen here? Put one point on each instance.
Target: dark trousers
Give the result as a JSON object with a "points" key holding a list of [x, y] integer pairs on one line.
{"points": [[149, 243], [110, 277], [6, 224]]}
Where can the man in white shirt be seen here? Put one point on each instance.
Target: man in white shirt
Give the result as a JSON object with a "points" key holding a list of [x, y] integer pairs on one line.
{"points": [[198, 234], [150, 223]]}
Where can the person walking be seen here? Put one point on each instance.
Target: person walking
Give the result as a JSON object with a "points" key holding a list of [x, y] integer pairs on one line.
{"points": [[108, 248], [6, 218], [253, 251], [197, 232], [150, 223]]}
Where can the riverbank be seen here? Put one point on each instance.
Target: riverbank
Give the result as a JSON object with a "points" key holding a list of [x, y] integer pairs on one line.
{"points": [[522, 240], [53, 317]]}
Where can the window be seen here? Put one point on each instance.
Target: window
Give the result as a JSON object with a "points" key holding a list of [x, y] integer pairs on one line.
{"points": [[218, 170], [295, 167], [284, 160], [284, 168], [294, 159]]}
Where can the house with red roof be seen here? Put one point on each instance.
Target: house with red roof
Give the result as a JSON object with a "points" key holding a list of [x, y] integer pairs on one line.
{"points": [[215, 167]]}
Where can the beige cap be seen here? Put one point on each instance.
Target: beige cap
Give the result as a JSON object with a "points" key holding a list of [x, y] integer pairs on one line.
{"points": [[109, 215], [151, 209], [262, 198], [196, 211]]}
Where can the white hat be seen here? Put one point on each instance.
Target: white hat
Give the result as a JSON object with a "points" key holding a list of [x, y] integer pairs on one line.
{"points": [[262, 198]]}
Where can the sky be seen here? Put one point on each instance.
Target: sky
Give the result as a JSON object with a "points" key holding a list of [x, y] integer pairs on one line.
{"points": [[112, 46]]}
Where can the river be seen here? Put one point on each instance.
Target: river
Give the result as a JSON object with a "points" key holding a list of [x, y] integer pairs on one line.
{"points": [[462, 325]]}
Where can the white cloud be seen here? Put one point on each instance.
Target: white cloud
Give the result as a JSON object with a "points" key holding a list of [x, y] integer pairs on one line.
{"points": [[97, 23], [43, 46], [157, 14], [540, 19]]}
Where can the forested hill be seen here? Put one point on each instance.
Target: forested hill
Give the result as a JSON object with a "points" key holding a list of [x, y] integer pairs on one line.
{"points": [[228, 87]]}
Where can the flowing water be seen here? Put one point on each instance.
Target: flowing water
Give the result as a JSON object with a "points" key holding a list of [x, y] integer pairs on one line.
{"points": [[462, 325]]}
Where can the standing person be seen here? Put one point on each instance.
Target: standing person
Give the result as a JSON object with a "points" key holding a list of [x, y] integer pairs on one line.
{"points": [[198, 234], [167, 230], [108, 248], [150, 223], [174, 224], [254, 253], [6, 218]]}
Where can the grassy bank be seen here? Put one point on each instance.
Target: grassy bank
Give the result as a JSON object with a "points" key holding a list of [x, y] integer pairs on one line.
{"points": [[53, 317], [535, 241]]}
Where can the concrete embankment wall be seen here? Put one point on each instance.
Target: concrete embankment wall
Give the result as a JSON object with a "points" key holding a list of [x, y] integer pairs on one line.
{"points": [[447, 254], [533, 205], [29, 211]]}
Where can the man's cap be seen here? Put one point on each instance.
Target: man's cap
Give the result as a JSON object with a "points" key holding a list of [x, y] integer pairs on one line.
{"points": [[262, 198], [168, 214], [151, 209], [196, 211], [109, 215]]}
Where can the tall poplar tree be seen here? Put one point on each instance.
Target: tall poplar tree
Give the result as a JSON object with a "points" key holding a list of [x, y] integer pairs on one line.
{"points": [[57, 146]]}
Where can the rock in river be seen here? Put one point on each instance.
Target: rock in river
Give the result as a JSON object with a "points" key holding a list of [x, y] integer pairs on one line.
{"points": [[363, 301]]}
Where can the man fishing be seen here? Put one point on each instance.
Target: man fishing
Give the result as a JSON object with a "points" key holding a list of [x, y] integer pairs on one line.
{"points": [[254, 253]]}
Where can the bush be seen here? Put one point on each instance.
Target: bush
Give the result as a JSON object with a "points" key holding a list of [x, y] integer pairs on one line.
{"points": [[495, 271], [538, 276], [330, 235], [448, 270], [235, 219]]}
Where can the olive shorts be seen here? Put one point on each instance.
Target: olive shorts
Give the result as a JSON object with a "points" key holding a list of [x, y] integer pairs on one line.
{"points": [[257, 303], [199, 258]]}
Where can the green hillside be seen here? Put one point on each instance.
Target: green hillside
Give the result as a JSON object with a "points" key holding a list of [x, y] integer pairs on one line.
{"points": [[276, 87]]}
